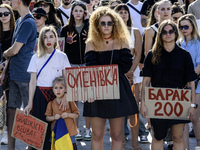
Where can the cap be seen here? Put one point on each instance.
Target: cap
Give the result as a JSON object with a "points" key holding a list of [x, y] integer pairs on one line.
{"points": [[39, 11], [50, 2]]}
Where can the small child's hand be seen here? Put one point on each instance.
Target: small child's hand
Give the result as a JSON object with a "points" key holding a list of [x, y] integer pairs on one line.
{"points": [[57, 116], [64, 115]]}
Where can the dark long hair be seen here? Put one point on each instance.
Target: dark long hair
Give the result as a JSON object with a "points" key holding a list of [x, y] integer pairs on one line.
{"points": [[124, 7], [52, 18], [12, 22], [71, 22], [158, 45], [151, 19]]}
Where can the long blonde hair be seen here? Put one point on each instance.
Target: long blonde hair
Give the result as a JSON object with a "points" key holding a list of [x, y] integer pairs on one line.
{"points": [[41, 47], [120, 32], [195, 32]]}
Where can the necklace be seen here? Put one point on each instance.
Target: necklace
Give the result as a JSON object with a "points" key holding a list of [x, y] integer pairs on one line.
{"points": [[107, 39]]}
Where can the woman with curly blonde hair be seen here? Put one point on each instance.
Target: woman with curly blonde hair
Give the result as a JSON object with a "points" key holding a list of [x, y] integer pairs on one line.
{"points": [[108, 43]]}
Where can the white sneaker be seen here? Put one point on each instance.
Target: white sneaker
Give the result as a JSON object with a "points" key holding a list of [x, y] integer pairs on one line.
{"points": [[88, 136], [4, 140], [78, 136]]}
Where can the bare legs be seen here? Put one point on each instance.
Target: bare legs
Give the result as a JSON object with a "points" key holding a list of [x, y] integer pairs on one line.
{"points": [[10, 116], [177, 137], [98, 131], [196, 121]]}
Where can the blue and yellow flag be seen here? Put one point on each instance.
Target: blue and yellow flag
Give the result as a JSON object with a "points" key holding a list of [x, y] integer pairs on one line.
{"points": [[60, 137]]}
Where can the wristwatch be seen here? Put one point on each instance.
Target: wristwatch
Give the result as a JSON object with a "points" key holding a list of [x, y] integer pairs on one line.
{"points": [[195, 105]]}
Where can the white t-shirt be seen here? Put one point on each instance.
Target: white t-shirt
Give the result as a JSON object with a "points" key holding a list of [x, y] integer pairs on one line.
{"points": [[136, 17], [67, 12], [53, 69], [132, 37]]}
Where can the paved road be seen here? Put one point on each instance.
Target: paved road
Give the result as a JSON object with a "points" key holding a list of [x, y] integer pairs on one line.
{"points": [[85, 145]]}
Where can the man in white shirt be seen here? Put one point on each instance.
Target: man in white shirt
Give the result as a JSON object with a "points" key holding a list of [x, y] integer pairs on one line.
{"points": [[135, 8], [63, 12]]}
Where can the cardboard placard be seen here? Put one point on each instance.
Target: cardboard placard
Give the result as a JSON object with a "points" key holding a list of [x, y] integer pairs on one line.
{"points": [[98, 82], [167, 103], [29, 130], [61, 41]]}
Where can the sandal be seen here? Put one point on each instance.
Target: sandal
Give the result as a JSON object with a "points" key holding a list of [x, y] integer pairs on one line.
{"points": [[137, 148]]}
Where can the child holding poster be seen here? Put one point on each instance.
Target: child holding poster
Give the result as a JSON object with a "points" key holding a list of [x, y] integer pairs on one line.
{"points": [[53, 113]]}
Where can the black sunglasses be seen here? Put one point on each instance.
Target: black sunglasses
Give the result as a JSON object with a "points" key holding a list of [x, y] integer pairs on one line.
{"points": [[109, 23], [43, 5], [5, 14], [164, 32], [186, 27], [37, 16]]}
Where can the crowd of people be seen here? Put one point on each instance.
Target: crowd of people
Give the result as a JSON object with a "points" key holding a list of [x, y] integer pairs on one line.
{"points": [[154, 43]]}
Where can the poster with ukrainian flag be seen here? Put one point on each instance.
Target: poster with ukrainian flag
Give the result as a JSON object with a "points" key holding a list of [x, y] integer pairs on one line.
{"points": [[60, 137]]}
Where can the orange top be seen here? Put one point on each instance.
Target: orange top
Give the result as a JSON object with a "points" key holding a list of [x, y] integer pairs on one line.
{"points": [[53, 109]]}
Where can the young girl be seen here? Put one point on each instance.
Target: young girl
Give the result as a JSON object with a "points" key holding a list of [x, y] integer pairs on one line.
{"points": [[40, 87], [133, 73], [53, 112], [108, 43], [190, 40], [75, 33], [7, 25], [52, 18]]}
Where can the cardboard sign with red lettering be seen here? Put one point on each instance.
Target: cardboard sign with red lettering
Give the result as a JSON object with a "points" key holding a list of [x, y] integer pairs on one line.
{"points": [[29, 130], [167, 103], [98, 82], [61, 41]]}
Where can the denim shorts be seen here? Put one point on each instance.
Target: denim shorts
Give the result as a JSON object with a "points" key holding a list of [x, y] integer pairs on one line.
{"points": [[18, 94]]}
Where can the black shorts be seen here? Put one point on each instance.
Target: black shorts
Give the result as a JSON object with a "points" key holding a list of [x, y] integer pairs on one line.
{"points": [[160, 126]]}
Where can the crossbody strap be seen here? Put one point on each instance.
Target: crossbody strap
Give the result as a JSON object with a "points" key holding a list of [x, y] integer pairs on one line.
{"points": [[46, 63], [63, 13], [134, 8]]}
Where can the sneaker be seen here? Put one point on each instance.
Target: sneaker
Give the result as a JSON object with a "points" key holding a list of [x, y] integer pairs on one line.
{"points": [[4, 140], [87, 136], [78, 136], [143, 139], [126, 137]]}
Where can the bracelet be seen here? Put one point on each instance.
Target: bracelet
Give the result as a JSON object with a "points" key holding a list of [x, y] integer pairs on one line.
{"points": [[3, 64]]}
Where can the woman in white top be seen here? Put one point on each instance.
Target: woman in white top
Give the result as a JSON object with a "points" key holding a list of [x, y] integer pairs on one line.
{"points": [[40, 87], [134, 73]]}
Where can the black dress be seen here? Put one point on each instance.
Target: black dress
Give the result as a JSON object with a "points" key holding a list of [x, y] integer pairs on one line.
{"points": [[174, 70], [124, 106]]}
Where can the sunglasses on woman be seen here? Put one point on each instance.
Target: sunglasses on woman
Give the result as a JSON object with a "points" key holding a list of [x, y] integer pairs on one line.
{"points": [[5, 14], [37, 16], [43, 5], [164, 32], [186, 27], [109, 23]]}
